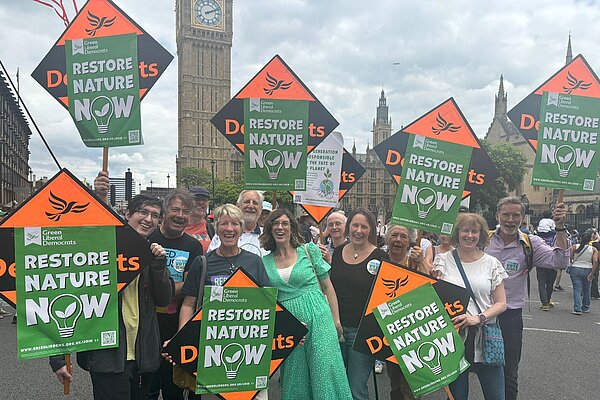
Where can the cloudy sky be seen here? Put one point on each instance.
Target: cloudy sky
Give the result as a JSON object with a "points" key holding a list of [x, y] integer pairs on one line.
{"points": [[345, 51]]}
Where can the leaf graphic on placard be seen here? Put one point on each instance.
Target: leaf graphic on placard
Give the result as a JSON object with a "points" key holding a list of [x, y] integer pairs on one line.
{"points": [[427, 200], [566, 158], [274, 161], [103, 112], [236, 356], [70, 310], [430, 356]]}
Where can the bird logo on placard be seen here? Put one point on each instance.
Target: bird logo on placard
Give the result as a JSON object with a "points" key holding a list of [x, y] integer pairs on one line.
{"points": [[393, 285], [63, 207], [275, 84], [443, 126], [97, 23], [575, 84]]}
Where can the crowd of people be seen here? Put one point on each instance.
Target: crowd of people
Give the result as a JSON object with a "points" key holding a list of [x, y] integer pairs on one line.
{"points": [[324, 280]]}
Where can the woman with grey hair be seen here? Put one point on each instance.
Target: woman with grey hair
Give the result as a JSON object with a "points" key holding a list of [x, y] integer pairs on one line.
{"points": [[221, 263]]}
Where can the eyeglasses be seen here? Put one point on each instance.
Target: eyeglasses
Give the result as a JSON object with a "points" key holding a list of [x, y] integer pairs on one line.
{"points": [[144, 213], [283, 224]]}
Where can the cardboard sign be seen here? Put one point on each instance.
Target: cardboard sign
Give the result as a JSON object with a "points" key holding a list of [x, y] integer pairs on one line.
{"points": [[65, 202], [429, 351], [576, 78], [236, 339], [446, 142], [183, 347], [99, 18], [567, 142], [275, 81], [393, 280], [104, 90]]}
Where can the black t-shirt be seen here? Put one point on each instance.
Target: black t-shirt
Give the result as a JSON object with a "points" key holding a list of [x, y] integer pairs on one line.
{"points": [[353, 282], [220, 268], [181, 252]]}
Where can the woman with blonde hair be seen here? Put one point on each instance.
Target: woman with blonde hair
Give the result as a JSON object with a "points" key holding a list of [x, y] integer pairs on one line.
{"points": [[468, 266]]}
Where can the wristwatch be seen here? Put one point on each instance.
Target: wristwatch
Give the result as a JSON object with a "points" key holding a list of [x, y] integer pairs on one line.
{"points": [[482, 318]]}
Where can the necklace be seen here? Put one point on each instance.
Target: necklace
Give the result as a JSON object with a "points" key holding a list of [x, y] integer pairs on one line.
{"points": [[231, 260]]}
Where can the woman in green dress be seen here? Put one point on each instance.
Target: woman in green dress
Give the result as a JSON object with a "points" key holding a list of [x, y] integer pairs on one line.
{"points": [[316, 369]]}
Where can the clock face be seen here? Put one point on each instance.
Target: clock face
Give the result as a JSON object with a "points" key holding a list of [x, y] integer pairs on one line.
{"points": [[208, 12]]}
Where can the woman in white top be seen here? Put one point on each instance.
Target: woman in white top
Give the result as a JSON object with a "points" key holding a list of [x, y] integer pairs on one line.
{"points": [[485, 274], [584, 264]]}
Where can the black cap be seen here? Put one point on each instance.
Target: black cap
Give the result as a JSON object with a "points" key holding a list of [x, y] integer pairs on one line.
{"points": [[199, 191]]}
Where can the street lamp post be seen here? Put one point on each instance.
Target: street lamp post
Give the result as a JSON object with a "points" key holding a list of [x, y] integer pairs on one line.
{"points": [[151, 188], [168, 180], [212, 168]]}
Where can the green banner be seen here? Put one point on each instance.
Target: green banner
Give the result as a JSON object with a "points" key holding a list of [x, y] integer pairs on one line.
{"points": [[275, 144], [566, 156], [236, 339], [66, 290], [104, 90], [429, 351], [432, 183]]}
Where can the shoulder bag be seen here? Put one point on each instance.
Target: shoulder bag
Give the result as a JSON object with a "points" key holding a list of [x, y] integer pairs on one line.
{"points": [[493, 344], [180, 377]]}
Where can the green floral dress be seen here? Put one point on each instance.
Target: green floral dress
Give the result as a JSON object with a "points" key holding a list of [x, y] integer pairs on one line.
{"points": [[316, 369]]}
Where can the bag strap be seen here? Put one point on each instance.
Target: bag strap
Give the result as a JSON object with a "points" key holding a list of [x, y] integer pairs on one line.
{"points": [[464, 277], [580, 254], [200, 298]]}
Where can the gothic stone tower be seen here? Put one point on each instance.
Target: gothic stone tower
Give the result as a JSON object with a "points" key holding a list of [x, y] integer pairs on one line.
{"points": [[204, 38], [382, 125]]}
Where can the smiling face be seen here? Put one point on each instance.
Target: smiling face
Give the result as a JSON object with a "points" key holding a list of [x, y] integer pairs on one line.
{"points": [[199, 211], [177, 217], [509, 217], [145, 220], [468, 236], [229, 230], [336, 226], [359, 230], [398, 242], [281, 230], [251, 206]]}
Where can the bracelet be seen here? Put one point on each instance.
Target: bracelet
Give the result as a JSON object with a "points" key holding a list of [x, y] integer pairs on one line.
{"points": [[563, 229]]}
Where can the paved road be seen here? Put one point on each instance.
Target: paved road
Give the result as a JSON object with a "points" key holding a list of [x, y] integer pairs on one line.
{"points": [[560, 358]]}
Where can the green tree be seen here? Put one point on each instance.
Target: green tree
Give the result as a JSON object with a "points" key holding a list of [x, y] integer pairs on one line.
{"points": [[191, 176], [510, 163], [226, 191]]}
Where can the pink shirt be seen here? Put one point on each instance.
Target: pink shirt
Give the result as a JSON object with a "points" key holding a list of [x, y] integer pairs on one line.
{"points": [[512, 258]]}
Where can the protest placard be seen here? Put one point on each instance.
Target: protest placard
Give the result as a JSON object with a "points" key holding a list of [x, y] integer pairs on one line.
{"points": [[429, 351], [104, 90], [235, 339], [567, 142]]}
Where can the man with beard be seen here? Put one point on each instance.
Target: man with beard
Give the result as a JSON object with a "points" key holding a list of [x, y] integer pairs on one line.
{"points": [[181, 250], [509, 245], [250, 202]]}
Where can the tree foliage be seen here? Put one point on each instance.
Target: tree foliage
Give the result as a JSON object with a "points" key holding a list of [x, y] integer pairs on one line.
{"points": [[191, 176], [510, 163]]}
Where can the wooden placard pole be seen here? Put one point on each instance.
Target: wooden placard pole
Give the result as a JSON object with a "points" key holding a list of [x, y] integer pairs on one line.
{"points": [[561, 195], [105, 159], [411, 263], [448, 393], [67, 383], [274, 205]]}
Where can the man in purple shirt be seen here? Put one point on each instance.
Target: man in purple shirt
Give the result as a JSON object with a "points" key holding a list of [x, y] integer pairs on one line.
{"points": [[507, 245]]}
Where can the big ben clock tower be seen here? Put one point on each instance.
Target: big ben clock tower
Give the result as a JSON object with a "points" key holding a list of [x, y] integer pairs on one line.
{"points": [[204, 37]]}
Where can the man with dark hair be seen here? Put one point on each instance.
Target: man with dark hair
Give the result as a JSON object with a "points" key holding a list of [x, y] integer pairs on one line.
{"points": [[519, 254], [199, 228], [125, 372], [182, 250]]}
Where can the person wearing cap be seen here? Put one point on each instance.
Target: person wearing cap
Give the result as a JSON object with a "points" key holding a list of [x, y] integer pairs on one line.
{"points": [[266, 211], [199, 227]]}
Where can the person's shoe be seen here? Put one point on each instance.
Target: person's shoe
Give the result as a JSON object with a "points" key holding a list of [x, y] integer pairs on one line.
{"points": [[559, 288], [586, 311], [595, 298], [545, 307], [576, 312], [551, 304], [378, 367]]}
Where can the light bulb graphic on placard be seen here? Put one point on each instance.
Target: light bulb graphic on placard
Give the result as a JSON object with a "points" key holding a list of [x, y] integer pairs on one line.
{"points": [[65, 310], [425, 202], [232, 357], [565, 157], [102, 110], [429, 354], [273, 160]]}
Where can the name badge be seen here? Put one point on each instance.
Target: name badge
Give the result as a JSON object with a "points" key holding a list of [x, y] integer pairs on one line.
{"points": [[512, 265]]}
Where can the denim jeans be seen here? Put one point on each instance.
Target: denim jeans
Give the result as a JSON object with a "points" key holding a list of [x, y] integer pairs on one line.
{"points": [[511, 323], [581, 288], [545, 278], [358, 366], [491, 379]]}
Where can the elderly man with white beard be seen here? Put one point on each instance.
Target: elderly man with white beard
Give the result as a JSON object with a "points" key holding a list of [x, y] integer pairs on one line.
{"points": [[250, 202]]}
